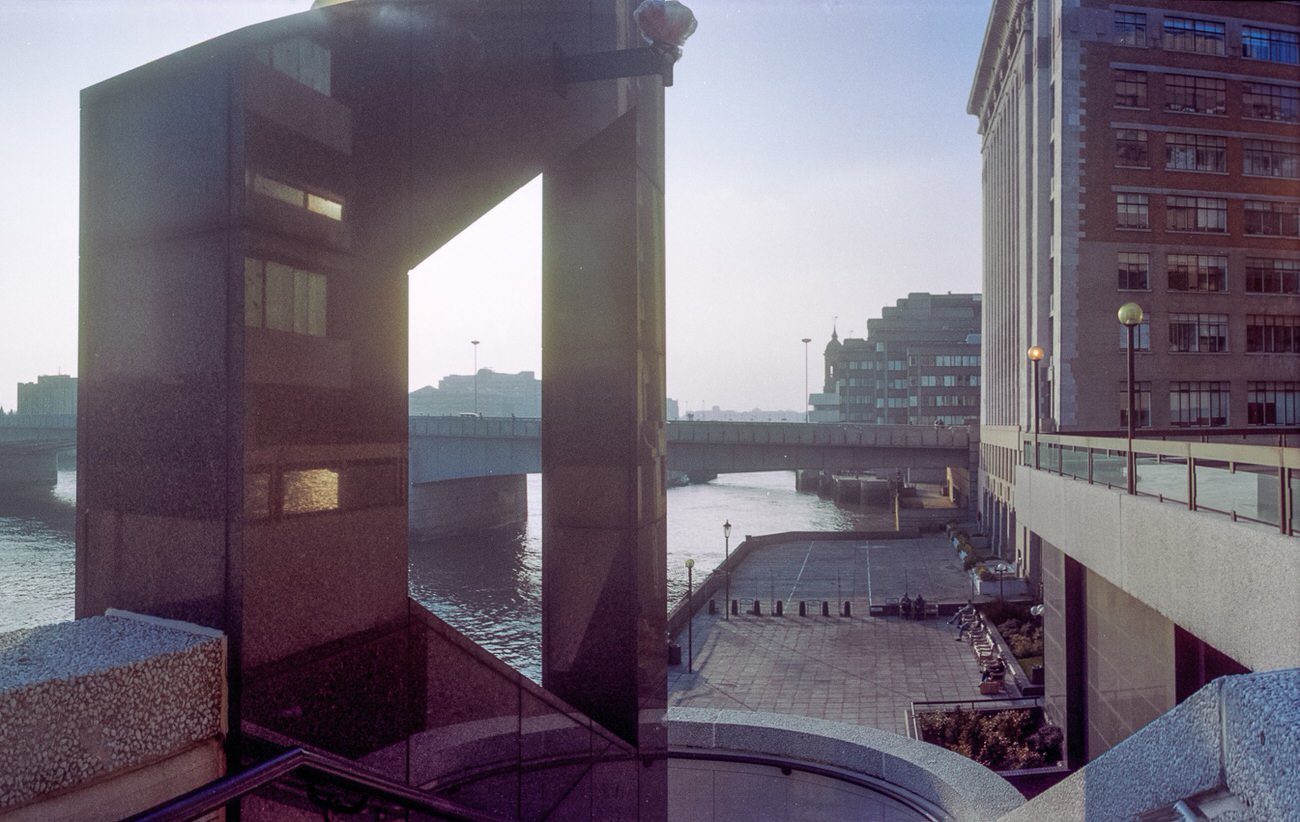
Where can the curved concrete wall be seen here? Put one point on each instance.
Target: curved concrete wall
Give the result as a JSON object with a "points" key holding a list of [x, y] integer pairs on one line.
{"points": [[962, 788]]}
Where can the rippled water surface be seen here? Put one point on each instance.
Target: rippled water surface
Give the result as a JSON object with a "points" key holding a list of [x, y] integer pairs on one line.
{"points": [[36, 555], [489, 587]]}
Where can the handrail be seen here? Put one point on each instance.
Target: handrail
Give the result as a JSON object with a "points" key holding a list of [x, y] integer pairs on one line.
{"points": [[1278, 459], [218, 793]]}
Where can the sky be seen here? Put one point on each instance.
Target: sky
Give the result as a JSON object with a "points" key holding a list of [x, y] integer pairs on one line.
{"points": [[820, 165]]}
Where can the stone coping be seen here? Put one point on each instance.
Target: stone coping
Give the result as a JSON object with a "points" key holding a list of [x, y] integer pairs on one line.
{"points": [[1239, 732], [83, 700], [962, 788]]}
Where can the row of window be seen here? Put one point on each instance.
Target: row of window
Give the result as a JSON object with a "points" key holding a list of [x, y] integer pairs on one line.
{"points": [[930, 401], [1208, 153], [1209, 37], [348, 487], [1190, 94], [283, 298], [301, 59], [949, 379], [1209, 215], [1208, 334], [1208, 272], [940, 360], [297, 197], [1206, 403]]}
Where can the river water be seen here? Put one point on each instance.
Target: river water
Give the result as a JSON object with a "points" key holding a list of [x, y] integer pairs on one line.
{"points": [[488, 587]]}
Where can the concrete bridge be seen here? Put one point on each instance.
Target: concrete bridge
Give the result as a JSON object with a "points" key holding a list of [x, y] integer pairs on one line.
{"points": [[29, 445], [444, 448]]}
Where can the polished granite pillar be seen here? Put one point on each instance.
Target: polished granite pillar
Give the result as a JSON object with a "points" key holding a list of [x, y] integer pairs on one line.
{"points": [[603, 546]]}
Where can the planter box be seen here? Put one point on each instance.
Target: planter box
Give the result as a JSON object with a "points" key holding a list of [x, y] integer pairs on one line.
{"points": [[1011, 587]]}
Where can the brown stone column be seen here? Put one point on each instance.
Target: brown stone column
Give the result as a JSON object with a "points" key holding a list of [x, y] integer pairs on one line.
{"points": [[603, 446]]}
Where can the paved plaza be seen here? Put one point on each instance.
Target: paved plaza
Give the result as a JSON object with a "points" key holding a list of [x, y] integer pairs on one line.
{"points": [[862, 669]]}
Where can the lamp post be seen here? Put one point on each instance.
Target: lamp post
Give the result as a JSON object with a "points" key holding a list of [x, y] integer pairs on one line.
{"points": [[475, 344], [690, 617], [1130, 315], [726, 564], [806, 340], [1035, 354]]}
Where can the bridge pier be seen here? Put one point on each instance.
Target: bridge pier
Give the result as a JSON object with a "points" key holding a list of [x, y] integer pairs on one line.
{"points": [[448, 508], [34, 469]]}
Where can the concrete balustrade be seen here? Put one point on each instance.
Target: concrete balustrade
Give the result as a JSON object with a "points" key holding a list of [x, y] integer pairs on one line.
{"points": [[107, 716]]}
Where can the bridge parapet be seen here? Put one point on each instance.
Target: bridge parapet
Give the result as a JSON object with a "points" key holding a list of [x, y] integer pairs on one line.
{"points": [[50, 421], [823, 434], [472, 427]]}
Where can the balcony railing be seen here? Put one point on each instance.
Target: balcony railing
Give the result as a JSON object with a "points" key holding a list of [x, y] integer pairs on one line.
{"points": [[1247, 480]]}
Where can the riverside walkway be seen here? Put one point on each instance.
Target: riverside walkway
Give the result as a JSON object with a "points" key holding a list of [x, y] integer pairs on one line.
{"points": [[862, 669]]}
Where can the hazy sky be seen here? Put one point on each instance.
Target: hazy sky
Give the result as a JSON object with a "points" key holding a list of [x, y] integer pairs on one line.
{"points": [[820, 164]]}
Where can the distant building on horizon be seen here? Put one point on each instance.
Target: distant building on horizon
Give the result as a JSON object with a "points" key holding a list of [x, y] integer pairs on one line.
{"points": [[498, 395], [50, 394], [919, 365]]}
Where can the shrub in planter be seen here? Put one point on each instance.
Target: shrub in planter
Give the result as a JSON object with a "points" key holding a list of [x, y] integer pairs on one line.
{"points": [[1002, 740]]}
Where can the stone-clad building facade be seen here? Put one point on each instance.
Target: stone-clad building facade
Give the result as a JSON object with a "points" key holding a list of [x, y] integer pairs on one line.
{"points": [[1133, 152], [1146, 153], [919, 365]]}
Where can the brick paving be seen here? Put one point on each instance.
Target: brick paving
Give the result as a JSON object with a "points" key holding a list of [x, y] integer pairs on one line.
{"points": [[863, 670]]}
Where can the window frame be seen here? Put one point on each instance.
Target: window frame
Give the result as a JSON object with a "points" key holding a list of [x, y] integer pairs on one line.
{"points": [[1207, 95], [1137, 264], [1190, 34], [1194, 395], [1197, 332], [1138, 82], [1198, 274], [1202, 153], [1274, 42], [1195, 214], [1134, 215], [1282, 102]]}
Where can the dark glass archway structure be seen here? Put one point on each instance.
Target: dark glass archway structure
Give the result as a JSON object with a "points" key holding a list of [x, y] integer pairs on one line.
{"points": [[250, 209]]}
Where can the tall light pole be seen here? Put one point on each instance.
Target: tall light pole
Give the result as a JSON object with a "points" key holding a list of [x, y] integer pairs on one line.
{"points": [[690, 616], [1130, 315], [1035, 353], [726, 564], [475, 344], [806, 340]]}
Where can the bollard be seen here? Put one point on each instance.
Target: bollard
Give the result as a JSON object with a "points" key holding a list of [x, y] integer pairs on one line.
{"points": [[848, 609], [826, 608], [713, 606], [803, 608], [780, 608], [758, 610], [735, 606]]}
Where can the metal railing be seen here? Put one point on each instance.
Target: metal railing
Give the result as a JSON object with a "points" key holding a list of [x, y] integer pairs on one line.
{"points": [[1246, 480], [330, 784]]}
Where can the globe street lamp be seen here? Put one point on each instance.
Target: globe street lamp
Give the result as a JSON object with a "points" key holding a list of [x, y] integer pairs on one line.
{"points": [[1035, 354], [726, 564], [806, 340], [1130, 315], [690, 617], [475, 344]]}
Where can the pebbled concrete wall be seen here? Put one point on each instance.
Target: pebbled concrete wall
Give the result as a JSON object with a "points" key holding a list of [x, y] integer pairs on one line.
{"points": [[1238, 732], [84, 703]]}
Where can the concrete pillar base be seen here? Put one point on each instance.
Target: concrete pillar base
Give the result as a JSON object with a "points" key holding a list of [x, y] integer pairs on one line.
{"points": [[471, 505], [29, 470]]}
